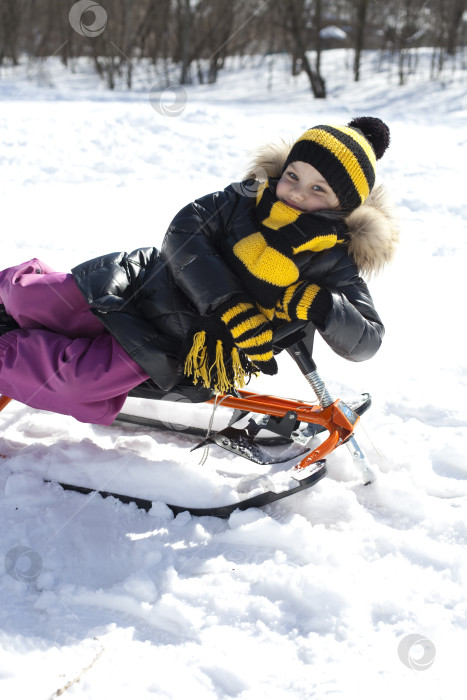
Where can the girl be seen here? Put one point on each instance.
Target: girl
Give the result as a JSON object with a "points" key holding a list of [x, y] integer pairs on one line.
{"points": [[199, 315]]}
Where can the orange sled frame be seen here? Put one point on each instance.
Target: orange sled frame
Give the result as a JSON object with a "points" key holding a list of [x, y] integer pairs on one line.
{"points": [[337, 418]]}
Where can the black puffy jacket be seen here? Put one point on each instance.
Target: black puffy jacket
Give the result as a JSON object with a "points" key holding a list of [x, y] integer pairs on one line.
{"points": [[150, 300]]}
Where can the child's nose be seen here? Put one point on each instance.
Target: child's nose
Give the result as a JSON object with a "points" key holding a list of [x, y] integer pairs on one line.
{"points": [[298, 193]]}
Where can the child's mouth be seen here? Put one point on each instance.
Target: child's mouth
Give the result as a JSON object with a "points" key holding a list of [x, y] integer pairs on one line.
{"points": [[292, 206]]}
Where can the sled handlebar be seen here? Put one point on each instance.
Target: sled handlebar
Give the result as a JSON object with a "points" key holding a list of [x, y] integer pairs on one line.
{"points": [[297, 338]]}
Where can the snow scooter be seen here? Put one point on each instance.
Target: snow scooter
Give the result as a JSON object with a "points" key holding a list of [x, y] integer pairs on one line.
{"points": [[264, 429]]}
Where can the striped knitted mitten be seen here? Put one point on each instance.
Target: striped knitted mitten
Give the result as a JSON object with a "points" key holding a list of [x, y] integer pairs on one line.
{"points": [[304, 302], [252, 333], [231, 345]]}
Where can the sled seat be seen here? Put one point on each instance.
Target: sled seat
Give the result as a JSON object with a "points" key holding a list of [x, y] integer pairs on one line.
{"points": [[189, 392]]}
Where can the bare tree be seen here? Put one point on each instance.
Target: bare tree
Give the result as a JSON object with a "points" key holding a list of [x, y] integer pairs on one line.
{"points": [[296, 17], [404, 31], [361, 13], [177, 35], [155, 31], [9, 27], [219, 31], [456, 14]]}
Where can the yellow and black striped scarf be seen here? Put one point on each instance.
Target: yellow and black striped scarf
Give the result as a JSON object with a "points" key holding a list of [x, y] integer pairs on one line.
{"points": [[266, 260]]}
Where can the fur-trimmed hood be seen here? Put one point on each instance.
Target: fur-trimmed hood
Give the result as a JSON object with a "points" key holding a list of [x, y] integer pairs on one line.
{"points": [[373, 226]]}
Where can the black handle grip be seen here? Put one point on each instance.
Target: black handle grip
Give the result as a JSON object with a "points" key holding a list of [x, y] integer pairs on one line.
{"points": [[302, 357]]}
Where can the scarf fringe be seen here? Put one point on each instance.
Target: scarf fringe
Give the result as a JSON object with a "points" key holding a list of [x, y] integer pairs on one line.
{"points": [[215, 366]]}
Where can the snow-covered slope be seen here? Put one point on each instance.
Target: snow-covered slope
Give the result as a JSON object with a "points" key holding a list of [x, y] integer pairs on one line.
{"points": [[317, 596]]}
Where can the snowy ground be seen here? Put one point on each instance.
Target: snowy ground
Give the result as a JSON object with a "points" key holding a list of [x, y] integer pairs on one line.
{"points": [[317, 596]]}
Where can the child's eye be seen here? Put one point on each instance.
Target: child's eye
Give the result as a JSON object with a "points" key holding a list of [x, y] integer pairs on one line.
{"points": [[318, 188], [292, 175]]}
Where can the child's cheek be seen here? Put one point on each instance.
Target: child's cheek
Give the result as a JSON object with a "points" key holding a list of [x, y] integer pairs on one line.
{"points": [[281, 189]]}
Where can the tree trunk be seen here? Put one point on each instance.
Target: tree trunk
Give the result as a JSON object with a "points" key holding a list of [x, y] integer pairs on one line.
{"points": [[128, 41], [362, 8], [317, 82], [296, 63], [317, 26], [455, 23], [298, 20], [185, 42], [9, 31]]}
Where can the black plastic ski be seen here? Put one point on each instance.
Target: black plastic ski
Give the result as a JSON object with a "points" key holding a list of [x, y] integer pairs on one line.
{"points": [[257, 501]]}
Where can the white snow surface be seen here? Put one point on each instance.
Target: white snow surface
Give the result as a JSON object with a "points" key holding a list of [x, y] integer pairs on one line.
{"points": [[316, 596]]}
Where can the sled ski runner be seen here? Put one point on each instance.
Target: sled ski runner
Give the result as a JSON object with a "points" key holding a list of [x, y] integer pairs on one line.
{"points": [[269, 430], [303, 481]]}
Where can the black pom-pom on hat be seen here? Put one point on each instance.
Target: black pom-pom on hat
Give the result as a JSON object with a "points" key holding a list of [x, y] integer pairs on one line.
{"points": [[375, 131]]}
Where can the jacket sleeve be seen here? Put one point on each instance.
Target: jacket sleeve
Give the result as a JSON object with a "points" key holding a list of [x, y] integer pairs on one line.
{"points": [[189, 249], [352, 326]]}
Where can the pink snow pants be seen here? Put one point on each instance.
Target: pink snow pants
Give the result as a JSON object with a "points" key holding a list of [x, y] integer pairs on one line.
{"points": [[61, 359]]}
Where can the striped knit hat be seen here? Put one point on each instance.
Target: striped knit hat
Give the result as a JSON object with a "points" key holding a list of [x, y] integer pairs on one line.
{"points": [[345, 156]]}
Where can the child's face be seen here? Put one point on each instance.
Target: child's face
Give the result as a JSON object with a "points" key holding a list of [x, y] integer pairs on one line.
{"points": [[305, 189]]}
